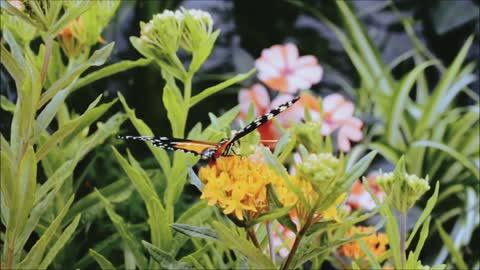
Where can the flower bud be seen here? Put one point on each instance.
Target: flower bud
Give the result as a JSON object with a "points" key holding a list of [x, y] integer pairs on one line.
{"points": [[309, 135], [402, 189], [73, 38], [163, 32], [198, 28], [322, 170]]}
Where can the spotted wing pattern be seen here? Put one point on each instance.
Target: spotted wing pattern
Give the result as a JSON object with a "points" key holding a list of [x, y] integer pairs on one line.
{"points": [[209, 150], [259, 121], [199, 148]]}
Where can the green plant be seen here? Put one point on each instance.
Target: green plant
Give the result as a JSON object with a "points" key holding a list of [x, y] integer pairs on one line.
{"points": [[47, 139]]}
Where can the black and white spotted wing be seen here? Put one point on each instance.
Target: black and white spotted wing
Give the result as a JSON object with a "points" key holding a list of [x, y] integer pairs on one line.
{"points": [[259, 121], [199, 148], [209, 150]]}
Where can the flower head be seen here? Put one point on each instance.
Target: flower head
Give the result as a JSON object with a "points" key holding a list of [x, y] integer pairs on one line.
{"points": [[198, 28], [73, 38], [163, 32], [238, 185], [376, 242], [281, 68]]}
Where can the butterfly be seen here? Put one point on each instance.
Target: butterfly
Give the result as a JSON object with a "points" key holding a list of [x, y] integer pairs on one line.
{"points": [[211, 150]]}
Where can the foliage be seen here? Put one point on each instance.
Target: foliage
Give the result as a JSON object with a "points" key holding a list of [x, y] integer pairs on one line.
{"points": [[145, 209]]}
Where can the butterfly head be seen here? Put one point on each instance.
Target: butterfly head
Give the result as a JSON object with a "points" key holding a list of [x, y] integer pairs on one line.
{"points": [[208, 153]]}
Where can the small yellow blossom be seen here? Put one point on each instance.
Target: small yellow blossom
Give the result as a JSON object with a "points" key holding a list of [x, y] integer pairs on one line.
{"points": [[376, 242], [238, 185]]}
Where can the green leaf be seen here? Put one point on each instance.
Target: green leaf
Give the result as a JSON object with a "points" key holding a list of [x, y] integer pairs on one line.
{"points": [[165, 260], [218, 87], [399, 100], [204, 50], [103, 262], [126, 235], [160, 154], [393, 235], [274, 164], [8, 185], [173, 102], [117, 191], [72, 127], [430, 111], [271, 215], [25, 186], [74, 10], [6, 104], [370, 256], [457, 256], [49, 112], [452, 152], [158, 220], [195, 231], [109, 71], [413, 257], [425, 214], [35, 255], [12, 66], [56, 180], [232, 240], [98, 58], [60, 243]]}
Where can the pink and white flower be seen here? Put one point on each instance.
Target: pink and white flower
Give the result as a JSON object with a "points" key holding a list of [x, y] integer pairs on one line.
{"points": [[281, 69]]}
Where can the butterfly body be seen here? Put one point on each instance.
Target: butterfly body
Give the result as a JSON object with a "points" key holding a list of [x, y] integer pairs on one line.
{"points": [[209, 150]]}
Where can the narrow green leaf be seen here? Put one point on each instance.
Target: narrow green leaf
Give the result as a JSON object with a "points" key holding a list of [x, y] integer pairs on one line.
{"points": [[126, 235], [165, 260], [35, 255], [160, 155], [370, 256], [74, 10], [421, 241], [195, 231], [109, 70], [173, 102], [98, 58], [425, 214], [232, 240], [452, 152], [271, 215], [274, 164], [399, 100], [432, 106], [8, 184], [103, 262], [12, 66], [72, 128], [457, 256], [219, 87], [55, 181], [49, 112], [60, 243]]}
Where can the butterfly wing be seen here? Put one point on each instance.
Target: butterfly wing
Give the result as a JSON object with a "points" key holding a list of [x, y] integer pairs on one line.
{"points": [[259, 121], [199, 148]]}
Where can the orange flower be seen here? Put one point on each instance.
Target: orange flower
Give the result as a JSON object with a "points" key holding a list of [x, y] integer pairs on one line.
{"points": [[281, 68], [376, 242]]}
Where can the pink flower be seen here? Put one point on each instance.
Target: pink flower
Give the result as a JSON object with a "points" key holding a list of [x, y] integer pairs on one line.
{"points": [[359, 198], [338, 114], [280, 68], [258, 96]]}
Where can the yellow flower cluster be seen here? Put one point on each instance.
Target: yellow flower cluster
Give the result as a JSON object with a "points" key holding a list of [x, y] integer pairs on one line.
{"points": [[376, 242], [239, 185]]}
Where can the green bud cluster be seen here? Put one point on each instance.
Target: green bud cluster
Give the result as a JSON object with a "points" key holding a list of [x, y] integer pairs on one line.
{"points": [[402, 189], [309, 135], [321, 170]]}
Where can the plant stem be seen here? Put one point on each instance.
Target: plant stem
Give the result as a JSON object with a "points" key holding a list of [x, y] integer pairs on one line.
{"points": [[299, 237], [46, 58], [403, 232], [253, 237], [270, 241]]}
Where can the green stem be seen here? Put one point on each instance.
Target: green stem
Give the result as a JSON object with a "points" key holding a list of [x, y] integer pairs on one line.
{"points": [[299, 237], [403, 232], [46, 58], [253, 237], [270, 241]]}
